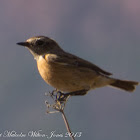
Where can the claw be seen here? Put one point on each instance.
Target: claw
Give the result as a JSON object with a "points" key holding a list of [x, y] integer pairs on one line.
{"points": [[61, 96]]}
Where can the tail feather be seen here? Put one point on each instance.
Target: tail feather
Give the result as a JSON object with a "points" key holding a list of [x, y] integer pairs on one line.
{"points": [[125, 85]]}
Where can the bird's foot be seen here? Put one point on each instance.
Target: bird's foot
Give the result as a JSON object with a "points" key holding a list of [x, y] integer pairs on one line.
{"points": [[59, 99], [62, 97]]}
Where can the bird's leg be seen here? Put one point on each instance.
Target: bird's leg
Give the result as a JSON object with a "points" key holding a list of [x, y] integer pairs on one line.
{"points": [[60, 99], [63, 96]]}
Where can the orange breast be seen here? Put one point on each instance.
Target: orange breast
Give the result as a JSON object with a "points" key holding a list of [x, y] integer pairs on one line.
{"points": [[65, 78]]}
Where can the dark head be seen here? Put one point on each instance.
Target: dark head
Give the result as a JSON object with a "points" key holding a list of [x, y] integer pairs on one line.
{"points": [[40, 45]]}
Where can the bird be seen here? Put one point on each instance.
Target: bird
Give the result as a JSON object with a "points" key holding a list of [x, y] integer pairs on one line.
{"points": [[67, 72]]}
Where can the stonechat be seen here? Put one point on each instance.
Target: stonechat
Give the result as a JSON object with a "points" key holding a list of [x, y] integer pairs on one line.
{"points": [[67, 72]]}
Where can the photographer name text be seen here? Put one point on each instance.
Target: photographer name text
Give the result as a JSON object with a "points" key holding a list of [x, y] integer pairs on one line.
{"points": [[38, 134]]}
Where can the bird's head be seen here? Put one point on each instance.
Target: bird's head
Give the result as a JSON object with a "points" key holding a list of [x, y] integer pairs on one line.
{"points": [[40, 45]]}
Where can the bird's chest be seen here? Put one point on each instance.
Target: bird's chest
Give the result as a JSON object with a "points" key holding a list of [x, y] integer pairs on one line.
{"points": [[45, 69], [52, 73]]}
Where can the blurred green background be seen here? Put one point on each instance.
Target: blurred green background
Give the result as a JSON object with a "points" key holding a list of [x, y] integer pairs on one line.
{"points": [[105, 32]]}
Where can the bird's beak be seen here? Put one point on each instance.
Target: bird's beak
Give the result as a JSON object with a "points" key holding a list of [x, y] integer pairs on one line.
{"points": [[26, 44]]}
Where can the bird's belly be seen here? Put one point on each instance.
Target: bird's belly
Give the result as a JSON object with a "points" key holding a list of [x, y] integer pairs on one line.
{"points": [[66, 78]]}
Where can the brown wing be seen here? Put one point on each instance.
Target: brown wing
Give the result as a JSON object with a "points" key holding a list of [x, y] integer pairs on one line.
{"points": [[72, 60]]}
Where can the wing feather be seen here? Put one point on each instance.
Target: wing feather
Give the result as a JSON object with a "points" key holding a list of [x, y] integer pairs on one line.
{"points": [[68, 59]]}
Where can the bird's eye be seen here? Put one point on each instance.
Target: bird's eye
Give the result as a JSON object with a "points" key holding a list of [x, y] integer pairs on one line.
{"points": [[39, 42]]}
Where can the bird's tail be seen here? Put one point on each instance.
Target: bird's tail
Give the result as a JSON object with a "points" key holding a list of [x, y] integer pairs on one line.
{"points": [[124, 85]]}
